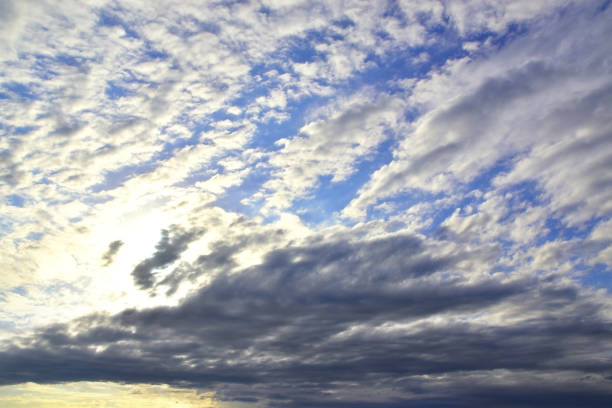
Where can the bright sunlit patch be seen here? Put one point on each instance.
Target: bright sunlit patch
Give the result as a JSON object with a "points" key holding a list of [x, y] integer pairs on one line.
{"points": [[103, 394]]}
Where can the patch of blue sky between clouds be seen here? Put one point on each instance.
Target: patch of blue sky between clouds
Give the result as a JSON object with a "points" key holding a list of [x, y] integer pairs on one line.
{"points": [[328, 197], [269, 132], [520, 197], [411, 61], [18, 91], [303, 49], [16, 131], [188, 26], [110, 17], [117, 177], [20, 290], [557, 230], [597, 276], [15, 200], [30, 238], [238, 198], [115, 91], [45, 67], [462, 197]]}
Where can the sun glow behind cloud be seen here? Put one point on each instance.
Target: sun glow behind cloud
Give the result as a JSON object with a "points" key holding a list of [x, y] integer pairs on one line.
{"points": [[107, 395]]}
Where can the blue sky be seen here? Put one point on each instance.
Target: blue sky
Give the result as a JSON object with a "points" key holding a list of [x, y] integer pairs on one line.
{"points": [[306, 203]]}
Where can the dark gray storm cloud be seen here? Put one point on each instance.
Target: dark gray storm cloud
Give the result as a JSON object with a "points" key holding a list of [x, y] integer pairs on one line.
{"points": [[386, 322], [109, 256], [173, 243]]}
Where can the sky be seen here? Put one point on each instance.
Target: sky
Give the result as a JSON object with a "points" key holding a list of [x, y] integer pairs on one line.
{"points": [[312, 204]]}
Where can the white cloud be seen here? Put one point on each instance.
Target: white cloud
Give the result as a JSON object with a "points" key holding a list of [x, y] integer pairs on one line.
{"points": [[330, 146], [499, 107]]}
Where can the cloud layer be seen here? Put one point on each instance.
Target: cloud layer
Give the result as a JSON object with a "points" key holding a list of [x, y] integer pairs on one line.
{"points": [[386, 321]]}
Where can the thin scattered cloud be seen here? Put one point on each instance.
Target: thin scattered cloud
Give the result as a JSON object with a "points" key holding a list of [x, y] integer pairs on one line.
{"points": [[109, 255]]}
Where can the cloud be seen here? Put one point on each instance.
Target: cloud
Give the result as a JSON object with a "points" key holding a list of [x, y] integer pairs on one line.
{"points": [[109, 255], [516, 103], [173, 242], [333, 314], [330, 146], [479, 16]]}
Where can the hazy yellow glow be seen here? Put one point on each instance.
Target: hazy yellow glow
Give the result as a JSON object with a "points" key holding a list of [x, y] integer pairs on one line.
{"points": [[102, 395]]}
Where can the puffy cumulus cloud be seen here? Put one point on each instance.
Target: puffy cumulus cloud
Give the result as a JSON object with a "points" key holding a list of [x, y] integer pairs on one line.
{"points": [[340, 321]]}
